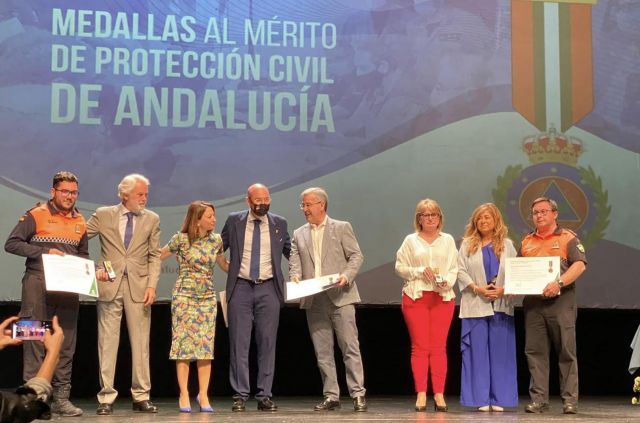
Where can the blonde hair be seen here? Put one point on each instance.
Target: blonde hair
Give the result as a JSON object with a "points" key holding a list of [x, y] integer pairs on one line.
{"points": [[433, 207], [473, 237]]}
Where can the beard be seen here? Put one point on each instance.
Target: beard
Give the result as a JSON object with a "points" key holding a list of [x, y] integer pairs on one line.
{"points": [[62, 206]]}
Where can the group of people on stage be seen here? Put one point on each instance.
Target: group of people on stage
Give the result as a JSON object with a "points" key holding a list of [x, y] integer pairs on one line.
{"points": [[430, 264], [257, 239]]}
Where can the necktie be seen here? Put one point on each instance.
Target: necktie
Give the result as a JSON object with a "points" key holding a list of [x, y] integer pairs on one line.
{"points": [[254, 267], [128, 230]]}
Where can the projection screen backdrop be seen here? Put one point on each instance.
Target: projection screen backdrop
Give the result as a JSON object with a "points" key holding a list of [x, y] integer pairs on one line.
{"points": [[380, 102]]}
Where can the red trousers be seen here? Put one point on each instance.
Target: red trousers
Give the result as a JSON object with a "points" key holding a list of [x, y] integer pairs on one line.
{"points": [[428, 320]]}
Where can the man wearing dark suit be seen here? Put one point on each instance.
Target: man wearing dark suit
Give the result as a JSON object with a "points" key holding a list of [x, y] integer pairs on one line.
{"points": [[325, 246], [130, 240], [257, 240]]}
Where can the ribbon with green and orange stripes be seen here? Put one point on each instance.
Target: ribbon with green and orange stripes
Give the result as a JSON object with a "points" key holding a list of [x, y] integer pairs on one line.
{"points": [[552, 61]]}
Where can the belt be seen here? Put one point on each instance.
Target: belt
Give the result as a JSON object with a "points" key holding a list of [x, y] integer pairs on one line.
{"points": [[256, 281]]}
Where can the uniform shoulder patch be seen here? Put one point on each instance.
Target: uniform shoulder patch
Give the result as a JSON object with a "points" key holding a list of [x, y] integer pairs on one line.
{"points": [[580, 247]]}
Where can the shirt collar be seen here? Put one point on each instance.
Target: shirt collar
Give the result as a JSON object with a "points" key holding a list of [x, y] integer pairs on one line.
{"points": [[253, 217], [557, 231], [122, 210], [321, 225]]}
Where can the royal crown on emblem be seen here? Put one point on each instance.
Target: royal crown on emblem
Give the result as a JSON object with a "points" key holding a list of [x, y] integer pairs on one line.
{"points": [[552, 146]]}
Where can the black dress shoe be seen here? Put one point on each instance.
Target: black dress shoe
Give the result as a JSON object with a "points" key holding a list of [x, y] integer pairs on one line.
{"points": [[144, 406], [327, 405], [238, 405], [359, 404], [440, 408], [266, 404], [104, 409]]}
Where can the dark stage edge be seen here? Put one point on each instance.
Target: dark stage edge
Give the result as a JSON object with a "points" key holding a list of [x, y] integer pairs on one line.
{"points": [[381, 409]]}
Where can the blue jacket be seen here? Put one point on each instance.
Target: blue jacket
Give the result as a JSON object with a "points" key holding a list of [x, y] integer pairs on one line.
{"points": [[233, 240]]}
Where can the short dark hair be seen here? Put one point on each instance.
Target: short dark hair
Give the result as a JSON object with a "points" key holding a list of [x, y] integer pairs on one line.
{"points": [[63, 176]]}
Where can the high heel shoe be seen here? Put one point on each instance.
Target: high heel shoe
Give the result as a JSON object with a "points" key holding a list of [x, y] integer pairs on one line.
{"points": [[421, 408], [184, 409], [440, 408], [205, 409]]}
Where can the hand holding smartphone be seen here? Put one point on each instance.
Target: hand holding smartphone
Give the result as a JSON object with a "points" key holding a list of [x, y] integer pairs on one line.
{"points": [[30, 330]]}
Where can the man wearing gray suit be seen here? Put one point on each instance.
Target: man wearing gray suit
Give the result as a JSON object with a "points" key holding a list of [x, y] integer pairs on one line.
{"points": [[130, 240], [325, 246]]}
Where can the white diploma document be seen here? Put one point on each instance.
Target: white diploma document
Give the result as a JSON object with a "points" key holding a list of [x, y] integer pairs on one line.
{"points": [[70, 274], [308, 287], [223, 304], [529, 275]]}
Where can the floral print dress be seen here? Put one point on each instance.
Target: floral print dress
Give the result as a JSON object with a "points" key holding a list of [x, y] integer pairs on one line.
{"points": [[193, 303]]}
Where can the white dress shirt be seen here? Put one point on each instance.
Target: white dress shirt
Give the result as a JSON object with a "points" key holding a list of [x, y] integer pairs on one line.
{"points": [[317, 234], [266, 271]]}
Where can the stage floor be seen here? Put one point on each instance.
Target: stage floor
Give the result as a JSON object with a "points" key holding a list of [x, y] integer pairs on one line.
{"points": [[381, 409]]}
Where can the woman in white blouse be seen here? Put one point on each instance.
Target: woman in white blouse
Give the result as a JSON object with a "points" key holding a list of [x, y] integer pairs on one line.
{"points": [[488, 343], [427, 261]]}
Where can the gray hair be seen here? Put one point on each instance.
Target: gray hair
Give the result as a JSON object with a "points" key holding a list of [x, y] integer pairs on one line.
{"points": [[552, 203], [129, 182], [318, 192]]}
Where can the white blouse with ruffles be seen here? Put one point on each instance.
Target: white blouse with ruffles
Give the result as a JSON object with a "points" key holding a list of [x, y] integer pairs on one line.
{"points": [[415, 254]]}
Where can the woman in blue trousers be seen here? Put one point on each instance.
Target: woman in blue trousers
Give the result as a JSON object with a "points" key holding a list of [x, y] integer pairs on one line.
{"points": [[488, 345]]}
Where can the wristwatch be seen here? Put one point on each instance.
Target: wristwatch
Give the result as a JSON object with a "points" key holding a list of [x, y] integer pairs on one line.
{"points": [[560, 283]]}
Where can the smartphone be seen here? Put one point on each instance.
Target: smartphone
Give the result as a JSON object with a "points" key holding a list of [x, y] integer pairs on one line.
{"points": [[29, 330], [108, 267]]}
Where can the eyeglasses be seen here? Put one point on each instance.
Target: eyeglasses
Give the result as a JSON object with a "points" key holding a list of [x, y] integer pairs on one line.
{"points": [[543, 212], [67, 193], [308, 205], [429, 215]]}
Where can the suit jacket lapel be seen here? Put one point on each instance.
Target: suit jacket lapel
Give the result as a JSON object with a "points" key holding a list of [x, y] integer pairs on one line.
{"points": [[241, 227], [326, 238], [138, 228], [115, 225], [273, 232], [308, 241]]}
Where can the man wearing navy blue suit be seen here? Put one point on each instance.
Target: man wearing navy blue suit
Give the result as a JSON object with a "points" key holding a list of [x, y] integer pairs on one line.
{"points": [[257, 240]]}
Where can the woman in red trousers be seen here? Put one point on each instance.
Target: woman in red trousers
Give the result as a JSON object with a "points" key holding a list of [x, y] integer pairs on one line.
{"points": [[427, 261]]}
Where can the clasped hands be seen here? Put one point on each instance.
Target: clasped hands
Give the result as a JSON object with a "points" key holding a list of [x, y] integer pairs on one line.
{"points": [[491, 292]]}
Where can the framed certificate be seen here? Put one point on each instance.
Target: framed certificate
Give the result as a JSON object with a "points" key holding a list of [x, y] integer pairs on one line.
{"points": [[530, 275]]}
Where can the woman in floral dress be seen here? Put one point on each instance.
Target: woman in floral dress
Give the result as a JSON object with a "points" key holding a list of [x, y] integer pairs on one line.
{"points": [[193, 303]]}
